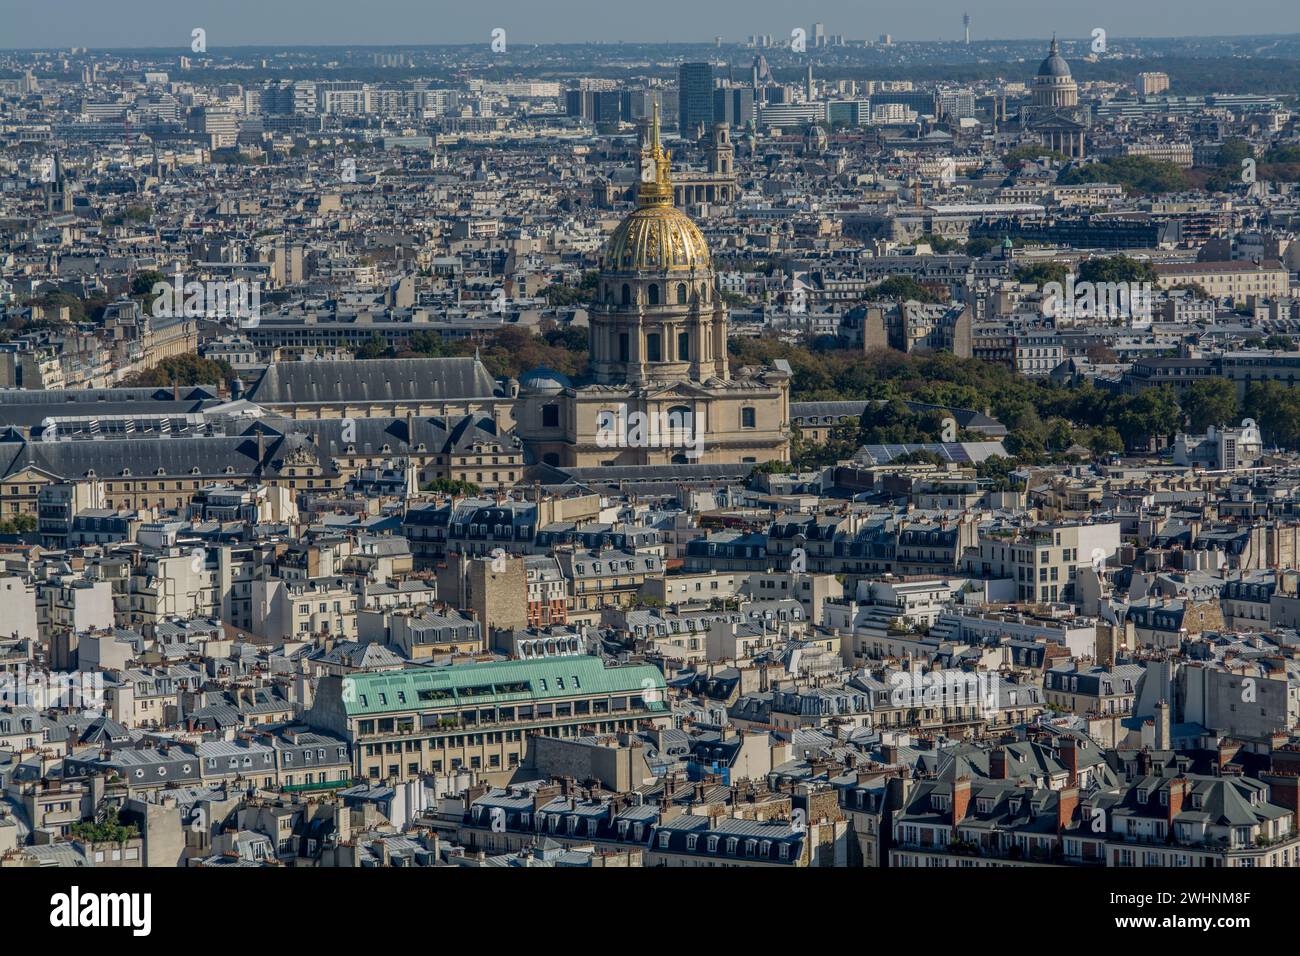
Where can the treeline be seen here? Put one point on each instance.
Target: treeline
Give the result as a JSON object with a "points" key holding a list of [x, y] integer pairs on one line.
{"points": [[188, 369], [509, 351], [1045, 421], [1137, 174]]}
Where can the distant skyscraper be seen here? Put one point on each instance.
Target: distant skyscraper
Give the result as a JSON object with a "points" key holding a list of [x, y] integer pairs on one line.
{"points": [[734, 106], [965, 22], [694, 97], [819, 35]]}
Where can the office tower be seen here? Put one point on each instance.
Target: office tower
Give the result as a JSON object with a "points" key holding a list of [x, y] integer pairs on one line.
{"points": [[638, 104], [577, 103], [607, 106], [965, 21], [694, 97], [734, 106], [848, 112], [819, 35], [920, 101]]}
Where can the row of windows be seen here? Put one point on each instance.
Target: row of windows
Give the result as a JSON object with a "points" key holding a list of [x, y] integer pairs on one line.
{"points": [[679, 293]]}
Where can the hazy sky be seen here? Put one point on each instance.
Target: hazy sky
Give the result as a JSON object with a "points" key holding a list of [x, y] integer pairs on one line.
{"points": [[154, 23]]}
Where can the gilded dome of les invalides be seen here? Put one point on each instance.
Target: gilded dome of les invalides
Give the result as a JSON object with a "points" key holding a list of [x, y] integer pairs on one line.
{"points": [[656, 236]]}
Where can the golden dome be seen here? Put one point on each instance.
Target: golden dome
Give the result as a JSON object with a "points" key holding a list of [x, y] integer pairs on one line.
{"points": [[656, 236], [657, 239]]}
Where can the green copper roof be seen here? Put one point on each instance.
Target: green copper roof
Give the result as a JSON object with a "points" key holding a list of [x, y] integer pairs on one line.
{"points": [[414, 689]]}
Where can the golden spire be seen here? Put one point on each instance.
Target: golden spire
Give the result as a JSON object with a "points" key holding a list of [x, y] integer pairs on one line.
{"points": [[656, 187]]}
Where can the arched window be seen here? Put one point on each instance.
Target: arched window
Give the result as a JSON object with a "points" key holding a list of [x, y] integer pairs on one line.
{"points": [[680, 416], [681, 293], [652, 294]]}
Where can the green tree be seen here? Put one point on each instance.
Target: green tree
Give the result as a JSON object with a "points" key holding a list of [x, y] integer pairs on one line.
{"points": [[1041, 273], [1211, 401], [1152, 414], [375, 347], [941, 244], [18, 524], [187, 369], [1119, 268], [1138, 174], [1232, 152], [1276, 409], [107, 830], [902, 289], [454, 486], [997, 471]]}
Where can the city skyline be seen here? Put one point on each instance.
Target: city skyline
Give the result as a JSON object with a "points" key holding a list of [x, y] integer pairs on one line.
{"points": [[147, 24]]}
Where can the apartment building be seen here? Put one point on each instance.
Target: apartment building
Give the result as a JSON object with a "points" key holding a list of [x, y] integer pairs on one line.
{"points": [[1043, 561], [604, 579], [288, 610]]}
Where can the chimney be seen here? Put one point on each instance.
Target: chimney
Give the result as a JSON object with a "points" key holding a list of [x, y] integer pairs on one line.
{"points": [[1070, 757], [1163, 732], [1067, 801], [1228, 749], [998, 763], [1284, 791], [1144, 762], [1177, 793], [960, 800]]}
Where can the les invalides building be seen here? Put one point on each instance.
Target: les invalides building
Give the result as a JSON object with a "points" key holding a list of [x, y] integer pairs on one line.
{"points": [[658, 339]]}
